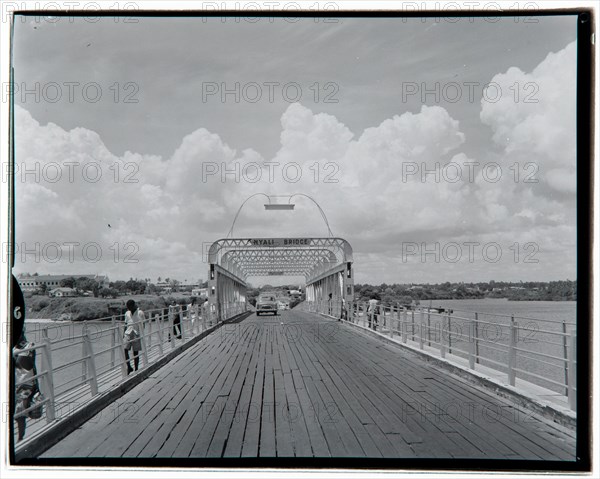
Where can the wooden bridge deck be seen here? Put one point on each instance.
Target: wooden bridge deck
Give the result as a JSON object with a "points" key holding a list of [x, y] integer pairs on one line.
{"points": [[301, 385]]}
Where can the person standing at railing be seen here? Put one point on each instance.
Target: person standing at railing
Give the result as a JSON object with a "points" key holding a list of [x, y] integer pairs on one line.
{"points": [[205, 312], [372, 312], [329, 303], [26, 383], [175, 320], [134, 318], [190, 311]]}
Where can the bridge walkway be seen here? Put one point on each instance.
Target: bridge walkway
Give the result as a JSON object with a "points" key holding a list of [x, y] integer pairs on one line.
{"points": [[303, 385]]}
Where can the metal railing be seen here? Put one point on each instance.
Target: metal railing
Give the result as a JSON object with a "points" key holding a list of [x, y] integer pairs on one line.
{"points": [[76, 361], [539, 351]]}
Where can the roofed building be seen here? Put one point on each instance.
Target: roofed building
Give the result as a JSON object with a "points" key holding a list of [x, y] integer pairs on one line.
{"points": [[33, 283]]}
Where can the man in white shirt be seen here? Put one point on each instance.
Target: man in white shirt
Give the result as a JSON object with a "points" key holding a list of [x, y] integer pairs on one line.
{"points": [[134, 318]]}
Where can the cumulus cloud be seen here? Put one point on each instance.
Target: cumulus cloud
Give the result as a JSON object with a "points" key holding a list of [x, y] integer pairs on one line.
{"points": [[404, 180], [534, 120]]}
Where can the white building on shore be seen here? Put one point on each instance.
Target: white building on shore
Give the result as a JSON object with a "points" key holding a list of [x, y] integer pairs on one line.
{"points": [[52, 281]]}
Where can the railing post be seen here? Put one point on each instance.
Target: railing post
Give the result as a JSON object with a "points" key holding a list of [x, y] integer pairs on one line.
{"points": [[392, 320], [512, 353], [143, 341], [477, 338], [472, 345], [83, 353], [421, 328], [572, 385], [121, 348], [429, 328], [149, 330], [170, 328], [113, 333], [404, 325], [443, 335], [181, 325], [48, 382], [449, 333], [192, 320], [565, 357], [159, 323], [89, 352], [412, 318]]}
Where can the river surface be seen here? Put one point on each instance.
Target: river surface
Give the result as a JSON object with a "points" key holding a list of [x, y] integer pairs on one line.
{"points": [[550, 310]]}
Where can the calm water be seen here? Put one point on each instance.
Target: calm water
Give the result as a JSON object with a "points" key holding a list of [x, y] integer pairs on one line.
{"points": [[551, 310]]}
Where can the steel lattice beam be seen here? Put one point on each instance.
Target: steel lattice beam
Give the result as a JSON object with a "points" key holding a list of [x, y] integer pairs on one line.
{"points": [[285, 256]]}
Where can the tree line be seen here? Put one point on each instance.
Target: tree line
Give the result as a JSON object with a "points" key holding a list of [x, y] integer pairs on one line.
{"points": [[563, 290]]}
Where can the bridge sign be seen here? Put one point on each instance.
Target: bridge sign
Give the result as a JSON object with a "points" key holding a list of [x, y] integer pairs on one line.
{"points": [[280, 242]]}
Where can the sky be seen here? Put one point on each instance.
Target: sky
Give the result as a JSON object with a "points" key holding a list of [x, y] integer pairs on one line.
{"points": [[441, 150]]}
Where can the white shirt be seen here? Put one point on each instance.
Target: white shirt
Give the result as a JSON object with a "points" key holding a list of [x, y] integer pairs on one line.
{"points": [[134, 321], [372, 304]]}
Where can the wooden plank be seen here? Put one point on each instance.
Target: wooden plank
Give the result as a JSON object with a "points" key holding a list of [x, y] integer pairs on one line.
{"points": [[283, 429], [235, 439], [299, 429], [250, 446], [109, 423], [192, 411], [302, 357], [324, 414], [210, 421], [119, 433], [309, 409], [158, 412], [430, 430], [267, 423], [356, 415], [356, 438], [220, 438], [485, 431], [202, 428]]}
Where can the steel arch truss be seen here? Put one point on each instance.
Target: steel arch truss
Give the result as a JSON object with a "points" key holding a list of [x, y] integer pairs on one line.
{"points": [[325, 263], [280, 262]]}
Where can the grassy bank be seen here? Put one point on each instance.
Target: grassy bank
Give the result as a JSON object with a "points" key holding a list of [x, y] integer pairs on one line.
{"points": [[87, 308]]}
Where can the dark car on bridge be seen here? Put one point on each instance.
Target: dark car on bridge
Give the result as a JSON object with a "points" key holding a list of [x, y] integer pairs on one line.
{"points": [[266, 303]]}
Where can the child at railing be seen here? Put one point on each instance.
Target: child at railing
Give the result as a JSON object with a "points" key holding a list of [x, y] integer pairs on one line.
{"points": [[26, 383], [134, 317]]}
